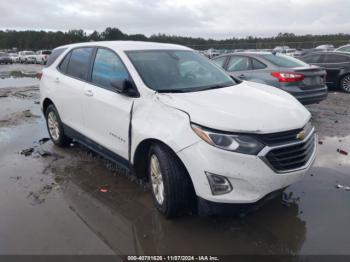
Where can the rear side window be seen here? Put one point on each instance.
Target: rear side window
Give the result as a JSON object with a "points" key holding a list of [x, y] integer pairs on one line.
{"points": [[315, 58], [238, 63], [334, 58], [220, 61], [283, 61], [107, 67], [257, 64], [78, 65], [55, 54]]}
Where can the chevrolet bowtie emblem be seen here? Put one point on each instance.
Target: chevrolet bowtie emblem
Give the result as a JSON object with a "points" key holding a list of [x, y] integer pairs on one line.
{"points": [[301, 135]]}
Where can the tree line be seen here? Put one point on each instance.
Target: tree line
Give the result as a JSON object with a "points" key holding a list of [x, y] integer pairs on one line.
{"points": [[36, 40]]}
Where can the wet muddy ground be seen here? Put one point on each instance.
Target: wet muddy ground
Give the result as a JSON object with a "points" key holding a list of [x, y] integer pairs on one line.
{"points": [[71, 201]]}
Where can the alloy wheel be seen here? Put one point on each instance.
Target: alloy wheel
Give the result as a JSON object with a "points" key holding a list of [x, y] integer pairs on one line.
{"points": [[53, 125], [346, 83], [156, 179]]}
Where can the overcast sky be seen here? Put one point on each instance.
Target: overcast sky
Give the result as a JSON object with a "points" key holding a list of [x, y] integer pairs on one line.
{"points": [[198, 18]]}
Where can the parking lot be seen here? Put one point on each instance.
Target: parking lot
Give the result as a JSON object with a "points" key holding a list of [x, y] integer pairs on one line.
{"points": [[71, 201]]}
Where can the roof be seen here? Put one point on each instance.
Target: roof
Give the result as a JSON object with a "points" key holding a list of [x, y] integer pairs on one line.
{"points": [[131, 45]]}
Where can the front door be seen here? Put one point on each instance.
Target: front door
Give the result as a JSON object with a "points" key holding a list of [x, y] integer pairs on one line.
{"points": [[106, 112]]}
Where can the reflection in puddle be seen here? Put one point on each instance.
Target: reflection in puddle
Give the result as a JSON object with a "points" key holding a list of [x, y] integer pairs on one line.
{"points": [[127, 221], [18, 79]]}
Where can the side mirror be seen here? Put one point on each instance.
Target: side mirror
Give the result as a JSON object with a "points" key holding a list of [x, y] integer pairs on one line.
{"points": [[124, 86]]}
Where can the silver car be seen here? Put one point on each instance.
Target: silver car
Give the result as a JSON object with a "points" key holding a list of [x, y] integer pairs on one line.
{"points": [[305, 82]]}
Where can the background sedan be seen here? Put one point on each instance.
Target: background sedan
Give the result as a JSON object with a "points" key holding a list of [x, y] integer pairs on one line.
{"points": [[305, 82], [337, 65]]}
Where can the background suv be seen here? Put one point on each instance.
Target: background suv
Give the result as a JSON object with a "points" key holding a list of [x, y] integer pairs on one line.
{"points": [[170, 116], [27, 57], [305, 82]]}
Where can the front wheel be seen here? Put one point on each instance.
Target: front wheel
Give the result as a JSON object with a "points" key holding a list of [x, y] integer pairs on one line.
{"points": [[55, 127], [172, 189], [345, 83]]}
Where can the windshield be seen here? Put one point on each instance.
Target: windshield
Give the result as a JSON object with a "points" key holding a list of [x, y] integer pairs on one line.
{"points": [[283, 61], [29, 53], [46, 52], [178, 71]]}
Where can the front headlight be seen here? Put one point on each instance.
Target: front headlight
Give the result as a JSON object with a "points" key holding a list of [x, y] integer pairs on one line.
{"points": [[244, 144]]}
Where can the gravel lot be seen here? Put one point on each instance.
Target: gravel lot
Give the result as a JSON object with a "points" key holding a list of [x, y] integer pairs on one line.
{"points": [[51, 199]]}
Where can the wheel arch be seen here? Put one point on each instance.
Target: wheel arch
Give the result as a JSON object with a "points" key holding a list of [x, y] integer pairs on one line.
{"points": [[140, 157], [46, 102]]}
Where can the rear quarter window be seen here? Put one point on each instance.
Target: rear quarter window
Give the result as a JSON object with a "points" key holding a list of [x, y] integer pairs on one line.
{"points": [[220, 61], [54, 55], [257, 64]]}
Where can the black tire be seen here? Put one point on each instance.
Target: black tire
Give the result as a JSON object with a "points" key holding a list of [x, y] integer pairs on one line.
{"points": [[345, 83], [178, 190], [62, 140]]}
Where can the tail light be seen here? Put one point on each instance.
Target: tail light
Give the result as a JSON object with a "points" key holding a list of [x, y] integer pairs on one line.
{"points": [[39, 75], [286, 77]]}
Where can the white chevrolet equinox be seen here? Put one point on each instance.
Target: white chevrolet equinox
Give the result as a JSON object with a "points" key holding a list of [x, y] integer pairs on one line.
{"points": [[171, 116]]}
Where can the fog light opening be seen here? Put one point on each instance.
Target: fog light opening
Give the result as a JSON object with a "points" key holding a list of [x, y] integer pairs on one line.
{"points": [[219, 185]]}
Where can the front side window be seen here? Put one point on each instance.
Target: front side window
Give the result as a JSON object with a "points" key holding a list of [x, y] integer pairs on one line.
{"points": [[178, 71], [79, 62], [238, 63], [107, 67], [283, 60]]}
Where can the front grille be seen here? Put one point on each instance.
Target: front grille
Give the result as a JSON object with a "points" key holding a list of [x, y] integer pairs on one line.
{"points": [[281, 137], [291, 157], [285, 137]]}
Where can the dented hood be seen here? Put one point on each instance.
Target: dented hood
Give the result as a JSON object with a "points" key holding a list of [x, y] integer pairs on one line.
{"points": [[247, 107]]}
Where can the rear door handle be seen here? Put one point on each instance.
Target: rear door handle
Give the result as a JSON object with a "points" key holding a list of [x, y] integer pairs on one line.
{"points": [[89, 93], [57, 80], [241, 76]]}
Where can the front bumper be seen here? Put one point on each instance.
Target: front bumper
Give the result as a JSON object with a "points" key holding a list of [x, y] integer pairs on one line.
{"points": [[250, 176]]}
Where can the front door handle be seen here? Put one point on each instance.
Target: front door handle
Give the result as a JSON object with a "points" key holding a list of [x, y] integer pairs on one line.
{"points": [[57, 80], [89, 93]]}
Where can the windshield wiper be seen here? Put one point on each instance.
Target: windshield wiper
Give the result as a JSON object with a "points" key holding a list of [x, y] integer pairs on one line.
{"points": [[214, 87], [173, 90]]}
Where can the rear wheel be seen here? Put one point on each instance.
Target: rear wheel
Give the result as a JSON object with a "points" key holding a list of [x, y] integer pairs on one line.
{"points": [[171, 186], [345, 83], [55, 127]]}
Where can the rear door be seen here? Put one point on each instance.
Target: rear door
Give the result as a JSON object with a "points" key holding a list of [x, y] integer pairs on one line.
{"points": [[260, 72], [239, 67], [70, 86], [106, 112], [334, 64]]}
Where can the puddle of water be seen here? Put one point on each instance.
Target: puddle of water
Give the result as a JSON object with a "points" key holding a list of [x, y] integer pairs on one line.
{"points": [[18, 82], [18, 79]]}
